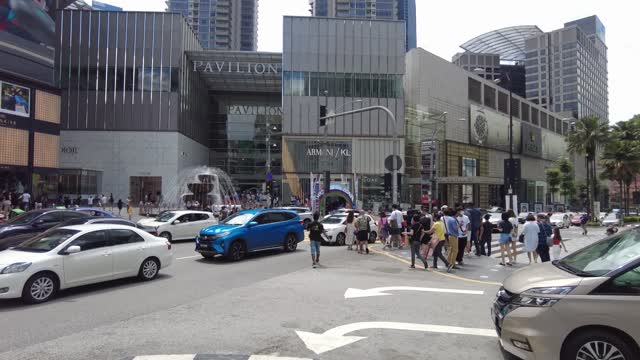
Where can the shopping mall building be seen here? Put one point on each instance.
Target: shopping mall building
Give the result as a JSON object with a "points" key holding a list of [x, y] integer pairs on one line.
{"points": [[142, 102]]}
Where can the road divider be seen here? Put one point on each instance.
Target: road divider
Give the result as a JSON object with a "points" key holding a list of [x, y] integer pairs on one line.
{"points": [[382, 291], [335, 338]]}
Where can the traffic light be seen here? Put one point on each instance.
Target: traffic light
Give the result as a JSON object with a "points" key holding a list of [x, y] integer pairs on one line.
{"points": [[269, 187], [327, 182], [323, 114]]}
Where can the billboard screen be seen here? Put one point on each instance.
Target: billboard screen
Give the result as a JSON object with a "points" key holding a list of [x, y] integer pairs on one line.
{"points": [[15, 99], [531, 140], [489, 128], [28, 19]]}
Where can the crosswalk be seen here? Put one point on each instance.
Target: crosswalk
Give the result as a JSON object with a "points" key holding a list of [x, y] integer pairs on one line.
{"points": [[212, 357]]}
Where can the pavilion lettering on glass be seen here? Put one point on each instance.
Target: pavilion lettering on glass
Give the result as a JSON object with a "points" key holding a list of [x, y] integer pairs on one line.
{"points": [[236, 67]]}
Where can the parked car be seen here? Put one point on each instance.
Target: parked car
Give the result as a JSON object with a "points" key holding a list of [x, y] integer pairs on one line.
{"points": [[584, 306], [179, 224], [561, 220], [576, 219], [94, 212], [20, 228], [336, 225], [611, 219], [304, 213], [78, 255], [522, 217], [495, 218], [250, 231]]}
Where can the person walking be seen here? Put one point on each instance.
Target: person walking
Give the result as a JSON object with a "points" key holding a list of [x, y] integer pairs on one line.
{"points": [[437, 231], [363, 229], [529, 235], [316, 231], [130, 209], [475, 217], [558, 244], [350, 231], [119, 206], [485, 236], [544, 238], [25, 199], [416, 235], [384, 229], [452, 232], [514, 235], [465, 223], [505, 228], [584, 219], [395, 224]]}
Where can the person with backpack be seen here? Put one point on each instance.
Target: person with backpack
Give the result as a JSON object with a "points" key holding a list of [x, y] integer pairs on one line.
{"points": [[416, 235], [395, 224], [316, 232], [506, 227], [363, 229]]}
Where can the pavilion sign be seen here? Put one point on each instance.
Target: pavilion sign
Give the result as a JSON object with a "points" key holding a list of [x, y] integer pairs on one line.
{"points": [[236, 67]]}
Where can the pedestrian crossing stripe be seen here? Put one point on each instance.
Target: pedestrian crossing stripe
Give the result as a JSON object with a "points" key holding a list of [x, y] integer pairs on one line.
{"points": [[212, 357]]}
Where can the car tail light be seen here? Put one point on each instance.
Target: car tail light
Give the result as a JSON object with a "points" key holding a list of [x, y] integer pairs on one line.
{"points": [[301, 222], [168, 245]]}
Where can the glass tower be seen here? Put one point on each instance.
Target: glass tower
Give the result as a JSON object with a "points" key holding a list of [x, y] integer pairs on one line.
{"points": [[221, 24], [371, 9]]}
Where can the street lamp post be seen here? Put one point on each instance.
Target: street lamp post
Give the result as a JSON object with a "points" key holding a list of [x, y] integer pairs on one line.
{"points": [[509, 169]]}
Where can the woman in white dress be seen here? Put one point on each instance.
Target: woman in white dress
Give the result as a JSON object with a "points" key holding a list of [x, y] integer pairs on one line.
{"points": [[530, 232], [514, 235], [350, 231]]}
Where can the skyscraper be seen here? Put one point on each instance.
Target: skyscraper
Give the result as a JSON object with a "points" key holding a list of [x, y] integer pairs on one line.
{"points": [[371, 9], [566, 69], [221, 24]]}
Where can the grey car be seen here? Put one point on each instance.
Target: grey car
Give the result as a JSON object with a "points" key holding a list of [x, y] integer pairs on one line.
{"points": [[583, 307]]}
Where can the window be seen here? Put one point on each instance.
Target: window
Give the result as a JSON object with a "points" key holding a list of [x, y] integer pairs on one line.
{"points": [[91, 241], [469, 167], [184, 218], [515, 107], [200, 217], [503, 102], [525, 112], [467, 194], [534, 116], [627, 283], [262, 219], [73, 215], [51, 217], [277, 217], [489, 97], [475, 90], [123, 237]]}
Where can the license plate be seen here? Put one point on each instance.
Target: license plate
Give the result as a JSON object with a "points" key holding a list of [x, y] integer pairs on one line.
{"points": [[203, 246]]}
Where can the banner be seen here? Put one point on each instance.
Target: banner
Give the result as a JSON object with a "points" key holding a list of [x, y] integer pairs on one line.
{"points": [[489, 128], [15, 99]]}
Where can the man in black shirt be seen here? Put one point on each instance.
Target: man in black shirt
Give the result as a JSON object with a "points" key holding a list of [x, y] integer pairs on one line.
{"points": [[316, 230]]}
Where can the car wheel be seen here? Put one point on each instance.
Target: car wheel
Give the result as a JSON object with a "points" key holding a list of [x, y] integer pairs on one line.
{"points": [[166, 235], [340, 239], [290, 243], [372, 237], [149, 269], [237, 251], [598, 344], [40, 288]]}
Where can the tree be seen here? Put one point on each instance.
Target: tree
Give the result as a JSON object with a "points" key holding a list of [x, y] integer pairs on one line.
{"points": [[567, 184], [554, 178], [588, 134], [621, 159]]}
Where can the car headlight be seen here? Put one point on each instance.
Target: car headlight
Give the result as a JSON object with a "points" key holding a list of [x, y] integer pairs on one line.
{"points": [[223, 234], [536, 297], [15, 268]]}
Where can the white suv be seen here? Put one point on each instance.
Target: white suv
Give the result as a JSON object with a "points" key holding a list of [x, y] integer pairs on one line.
{"points": [[335, 227], [179, 224], [304, 213]]}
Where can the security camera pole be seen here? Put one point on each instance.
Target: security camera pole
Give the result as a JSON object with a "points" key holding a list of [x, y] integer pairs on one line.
{"points": [[394, 173]]}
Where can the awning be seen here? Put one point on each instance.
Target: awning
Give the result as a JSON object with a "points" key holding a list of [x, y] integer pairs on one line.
{"points": [[465, 180]]}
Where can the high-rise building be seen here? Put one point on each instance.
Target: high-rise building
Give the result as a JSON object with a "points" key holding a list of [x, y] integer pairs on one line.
{"points": [[566, 69], [371, 9], [221, 24]]}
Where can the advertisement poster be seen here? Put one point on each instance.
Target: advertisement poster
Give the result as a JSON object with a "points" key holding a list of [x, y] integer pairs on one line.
{"points": [[491, 129], [29, 19], [15, 99]]}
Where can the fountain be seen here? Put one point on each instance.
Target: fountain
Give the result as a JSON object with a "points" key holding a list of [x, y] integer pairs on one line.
{"points": [[207, 185]]}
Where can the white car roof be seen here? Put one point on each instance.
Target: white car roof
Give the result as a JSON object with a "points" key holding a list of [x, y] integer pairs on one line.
{"points": [[182, 212], [91, 227]]}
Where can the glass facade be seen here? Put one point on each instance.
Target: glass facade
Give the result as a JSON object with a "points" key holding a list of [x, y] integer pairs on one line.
{"points": [[298, 83]]}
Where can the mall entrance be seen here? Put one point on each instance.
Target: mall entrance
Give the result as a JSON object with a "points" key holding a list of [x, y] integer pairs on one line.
{"points": [[141, 186]]}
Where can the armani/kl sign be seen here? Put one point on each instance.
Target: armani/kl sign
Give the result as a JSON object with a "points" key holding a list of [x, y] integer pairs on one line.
{"points": [[236, 67], [332, 152]]}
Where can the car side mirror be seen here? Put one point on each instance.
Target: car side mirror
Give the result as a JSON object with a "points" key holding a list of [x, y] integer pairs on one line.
{"points": [[176, 222], [73, 249], [252, 223]]}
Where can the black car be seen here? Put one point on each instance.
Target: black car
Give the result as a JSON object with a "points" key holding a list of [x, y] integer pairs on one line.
{"points": [[101, 220], [22, 227]]}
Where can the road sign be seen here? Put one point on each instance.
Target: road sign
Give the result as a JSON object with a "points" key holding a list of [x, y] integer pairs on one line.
{"points": [[388, 163]]}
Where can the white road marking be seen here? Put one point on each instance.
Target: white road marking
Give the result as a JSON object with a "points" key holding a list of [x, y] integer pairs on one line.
{"points": [[165, 357], [495, 270], [335, 338], [188, 257], [270, 357], [484, 277], [381, 291]]}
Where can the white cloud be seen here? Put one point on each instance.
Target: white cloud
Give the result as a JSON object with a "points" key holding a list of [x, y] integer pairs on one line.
{"points": [[444, 25]]}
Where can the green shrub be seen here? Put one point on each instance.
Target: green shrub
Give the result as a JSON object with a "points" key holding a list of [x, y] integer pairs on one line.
{"points": [[593, 223], [631, 219]]}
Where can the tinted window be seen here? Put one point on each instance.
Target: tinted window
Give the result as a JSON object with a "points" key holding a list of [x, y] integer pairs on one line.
{"points": [[51, 217], [184, 218], [627, 283], [123, 236], [262, 219], [277, 217], [74, 215], [200, 217], [90, 241]]}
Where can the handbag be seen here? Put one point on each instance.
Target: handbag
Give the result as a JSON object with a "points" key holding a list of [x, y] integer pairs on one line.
{"points": [[521, 238], [549, 241]]}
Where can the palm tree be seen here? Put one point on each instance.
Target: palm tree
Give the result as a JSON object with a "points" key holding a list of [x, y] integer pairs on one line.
{"points": [[621, 163], [567, 184], [554, 178], [588, 134]]}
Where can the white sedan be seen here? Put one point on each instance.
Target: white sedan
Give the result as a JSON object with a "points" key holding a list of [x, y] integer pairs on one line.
{"points": [[335, 226], [78, 255], [179, 224], [560, 220]]}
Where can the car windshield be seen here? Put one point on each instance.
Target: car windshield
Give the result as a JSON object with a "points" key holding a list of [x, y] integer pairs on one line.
{"points": [[237, 219], [165, 217], [611, 216], [333, 220], [496, 216], [604, 256], [47, 241], [557, 217], [24, 218]]}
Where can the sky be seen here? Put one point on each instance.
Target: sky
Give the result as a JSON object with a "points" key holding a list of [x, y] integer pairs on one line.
{"points": [[444, 25]]}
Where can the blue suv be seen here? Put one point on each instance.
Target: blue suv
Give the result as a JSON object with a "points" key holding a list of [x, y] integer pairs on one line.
{"points": [[249, 231]]}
